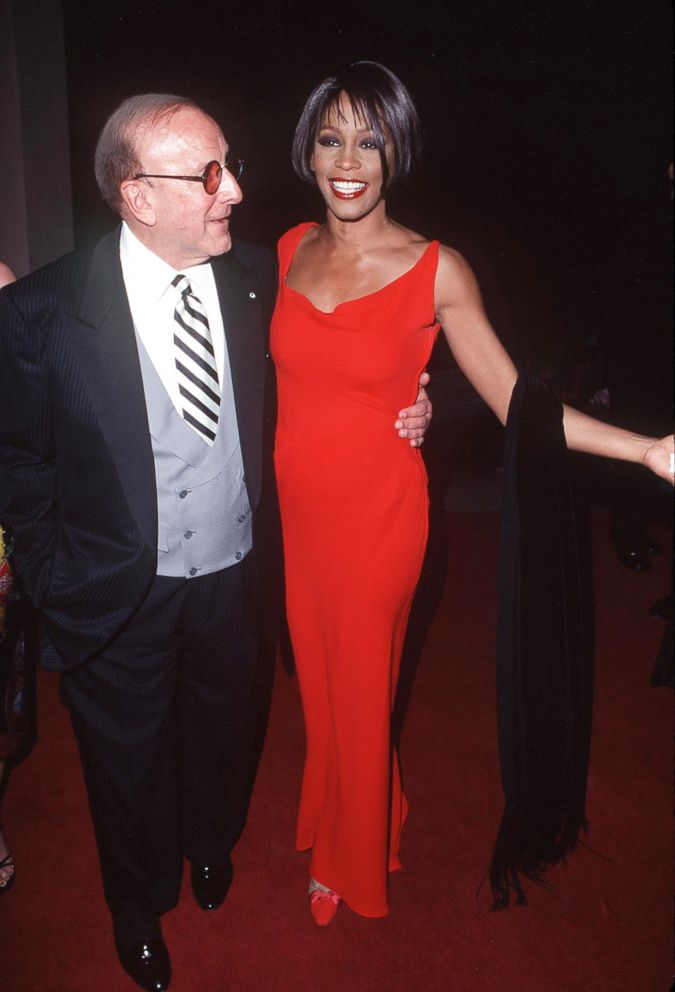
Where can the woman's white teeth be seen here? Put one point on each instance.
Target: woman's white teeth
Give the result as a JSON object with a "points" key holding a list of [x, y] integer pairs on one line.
{"points": [[347, 185]]}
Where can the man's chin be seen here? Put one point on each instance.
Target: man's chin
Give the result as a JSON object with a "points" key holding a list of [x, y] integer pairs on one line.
{"points": [[221, 244]]}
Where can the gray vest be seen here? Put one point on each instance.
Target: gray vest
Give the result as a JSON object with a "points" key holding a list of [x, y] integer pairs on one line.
{"points": [[203, 513]]}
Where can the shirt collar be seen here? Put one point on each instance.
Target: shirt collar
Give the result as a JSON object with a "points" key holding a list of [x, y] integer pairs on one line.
{"points": [[145, 271]]}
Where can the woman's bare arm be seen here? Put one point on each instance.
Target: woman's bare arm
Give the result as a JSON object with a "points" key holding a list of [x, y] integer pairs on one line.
{"points": [[487, 365]]}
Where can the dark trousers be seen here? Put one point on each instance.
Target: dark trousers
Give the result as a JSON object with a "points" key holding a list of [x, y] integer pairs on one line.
{"points": [[161, 722]]}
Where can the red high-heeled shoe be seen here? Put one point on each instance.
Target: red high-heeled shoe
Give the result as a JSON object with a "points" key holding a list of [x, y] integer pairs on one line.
{"points": [[323, 903]]}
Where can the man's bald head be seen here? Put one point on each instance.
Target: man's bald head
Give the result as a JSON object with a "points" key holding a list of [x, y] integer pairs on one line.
{"points": [[116, 157]]}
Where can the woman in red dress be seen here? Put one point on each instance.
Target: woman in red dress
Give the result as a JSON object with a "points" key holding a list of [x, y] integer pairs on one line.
{"points": [[360, 302]]}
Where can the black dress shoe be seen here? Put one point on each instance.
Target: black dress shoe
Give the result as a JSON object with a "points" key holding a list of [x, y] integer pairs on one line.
{"points": [[210, 884], [148, 964], [634, 548], [661, 610], [635, 559]]}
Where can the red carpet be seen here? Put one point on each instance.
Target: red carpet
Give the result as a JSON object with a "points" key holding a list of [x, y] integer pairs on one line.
{"points": [[605, 925]]}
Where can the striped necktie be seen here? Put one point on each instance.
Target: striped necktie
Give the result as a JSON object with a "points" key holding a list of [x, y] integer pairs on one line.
{"points": [[195, 363]]}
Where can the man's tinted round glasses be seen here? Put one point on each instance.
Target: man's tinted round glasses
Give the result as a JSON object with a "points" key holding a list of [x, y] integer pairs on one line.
{"points": [[210, 177]]}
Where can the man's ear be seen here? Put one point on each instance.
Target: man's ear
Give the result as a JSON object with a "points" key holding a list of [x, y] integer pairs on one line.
{"points": [[137, 199]]}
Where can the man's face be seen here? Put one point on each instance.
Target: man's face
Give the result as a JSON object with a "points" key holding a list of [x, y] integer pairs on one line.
{"points": [[189, 225]]}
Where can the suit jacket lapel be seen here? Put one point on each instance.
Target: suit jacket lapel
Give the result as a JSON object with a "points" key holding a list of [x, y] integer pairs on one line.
{"points": [[237, 287], [107, 354]]}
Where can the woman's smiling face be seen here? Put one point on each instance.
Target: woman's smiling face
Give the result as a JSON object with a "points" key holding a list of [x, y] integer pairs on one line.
{"points": [[347, 163]]}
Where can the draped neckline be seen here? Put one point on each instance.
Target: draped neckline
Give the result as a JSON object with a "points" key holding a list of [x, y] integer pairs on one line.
{"points": [[356, 299]]}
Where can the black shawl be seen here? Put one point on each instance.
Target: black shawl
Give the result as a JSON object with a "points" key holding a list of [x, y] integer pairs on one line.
{"points": [[544, 649]]}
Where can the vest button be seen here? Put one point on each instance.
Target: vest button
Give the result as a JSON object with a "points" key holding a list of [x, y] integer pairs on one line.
{"points": [[188, 534], [241, 518], [182, 494], [193, 571], [237, 555]]}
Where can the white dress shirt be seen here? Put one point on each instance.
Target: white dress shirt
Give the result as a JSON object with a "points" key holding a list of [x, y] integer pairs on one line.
{"points": [[152, 301]]}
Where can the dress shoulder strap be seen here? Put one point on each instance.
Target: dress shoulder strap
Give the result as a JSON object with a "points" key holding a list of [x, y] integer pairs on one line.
{"points": [[288, 244]]}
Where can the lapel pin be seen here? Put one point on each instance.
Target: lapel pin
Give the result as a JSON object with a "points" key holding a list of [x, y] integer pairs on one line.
{"points": [[252, 296]]}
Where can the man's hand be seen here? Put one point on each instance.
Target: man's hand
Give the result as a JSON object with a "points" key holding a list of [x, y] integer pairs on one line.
{"points": [[414, 420]]}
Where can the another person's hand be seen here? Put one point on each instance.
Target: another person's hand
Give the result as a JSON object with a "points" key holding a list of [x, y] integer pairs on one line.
{"points": [[660, 458], [6, 275], [412, 422]]}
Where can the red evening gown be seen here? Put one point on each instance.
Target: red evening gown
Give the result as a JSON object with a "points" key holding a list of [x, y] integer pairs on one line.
{"points": [[354, 505]]}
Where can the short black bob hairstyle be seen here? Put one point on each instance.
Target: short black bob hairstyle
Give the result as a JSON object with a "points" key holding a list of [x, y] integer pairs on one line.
{"points": [[381, 100]]}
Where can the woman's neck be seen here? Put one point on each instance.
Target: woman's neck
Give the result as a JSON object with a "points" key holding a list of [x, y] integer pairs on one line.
{"points": [[358, 235]]}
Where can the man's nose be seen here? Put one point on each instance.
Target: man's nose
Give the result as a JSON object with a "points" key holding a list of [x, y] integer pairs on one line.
{"points": [[229, 188]]}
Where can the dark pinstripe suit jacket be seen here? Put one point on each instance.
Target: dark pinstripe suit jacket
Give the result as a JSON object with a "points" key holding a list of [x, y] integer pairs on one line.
{"points": [[77, 486]]}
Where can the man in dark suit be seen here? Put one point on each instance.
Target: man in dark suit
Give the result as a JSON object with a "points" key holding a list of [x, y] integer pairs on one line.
{"points": [[131, 437], [131, 525]]}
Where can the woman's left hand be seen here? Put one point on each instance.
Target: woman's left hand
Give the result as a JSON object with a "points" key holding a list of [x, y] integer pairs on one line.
{"points": [[659, 456], [414, 420]]}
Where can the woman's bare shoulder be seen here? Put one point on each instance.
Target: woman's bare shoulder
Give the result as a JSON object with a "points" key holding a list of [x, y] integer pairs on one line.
{"points": [[405, 243], [416, 241], [452, 261], [456, 283]]}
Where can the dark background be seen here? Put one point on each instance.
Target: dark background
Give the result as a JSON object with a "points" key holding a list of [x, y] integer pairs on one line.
{"points": [[548, 138]]}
